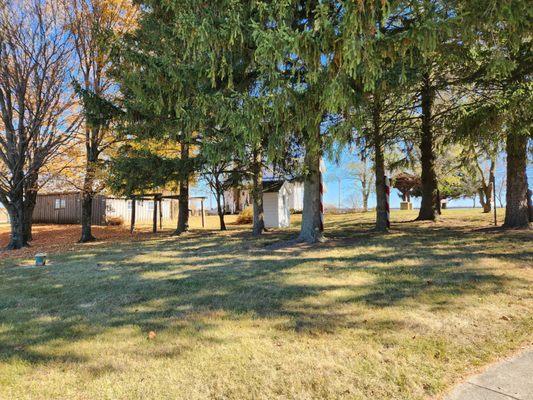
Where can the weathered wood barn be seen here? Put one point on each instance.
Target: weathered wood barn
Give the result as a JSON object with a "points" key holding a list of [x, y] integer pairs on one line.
{"points": [[65, 208]]}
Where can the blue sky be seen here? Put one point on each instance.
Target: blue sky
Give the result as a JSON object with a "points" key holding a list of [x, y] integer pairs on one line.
{"points": [[348, 186]]}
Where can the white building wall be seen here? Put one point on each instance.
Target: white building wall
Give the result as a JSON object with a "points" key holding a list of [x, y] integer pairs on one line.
{"points": [[144, 210], [270, 210], [284, 212], [296, 199]]}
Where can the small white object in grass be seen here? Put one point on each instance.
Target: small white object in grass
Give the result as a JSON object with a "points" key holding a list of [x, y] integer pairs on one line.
{"points": [[40, 259]]}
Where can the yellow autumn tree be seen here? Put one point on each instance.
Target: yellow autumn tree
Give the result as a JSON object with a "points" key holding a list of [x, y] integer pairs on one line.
{"points": [[89, 23]]}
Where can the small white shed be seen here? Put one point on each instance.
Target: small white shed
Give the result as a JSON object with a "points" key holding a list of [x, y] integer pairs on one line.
{"points": [[276, 207]]}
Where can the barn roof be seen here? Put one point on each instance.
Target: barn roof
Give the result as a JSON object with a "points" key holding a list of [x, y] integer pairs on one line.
{"points": [[273, 186]]}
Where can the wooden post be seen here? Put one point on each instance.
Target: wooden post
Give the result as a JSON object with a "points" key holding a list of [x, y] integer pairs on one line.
{"points": [[132, 223], [160, 214], [203, 212], [154, 227]]}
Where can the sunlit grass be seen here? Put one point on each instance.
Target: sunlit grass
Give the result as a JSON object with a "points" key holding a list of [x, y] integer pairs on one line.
{"points": [[363, 316]]}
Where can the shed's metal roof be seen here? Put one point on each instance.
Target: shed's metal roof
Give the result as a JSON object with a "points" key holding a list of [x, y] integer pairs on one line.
{"points": [[272, 186]]}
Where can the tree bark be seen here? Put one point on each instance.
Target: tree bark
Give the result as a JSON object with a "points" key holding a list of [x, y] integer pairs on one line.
{"points": [[516, 208], [482, 200], [312, 224], [220, 210], [485, 192], [30, 199], [16, 211], [86, 217], [29, 206], [88, 189], [379, 169], [365, 202], [257, 194], [16, 216], [183, 201], [429, 207]]}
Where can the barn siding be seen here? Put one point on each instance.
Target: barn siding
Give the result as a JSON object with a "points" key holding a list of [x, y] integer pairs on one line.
{"points": [[45, 211]]}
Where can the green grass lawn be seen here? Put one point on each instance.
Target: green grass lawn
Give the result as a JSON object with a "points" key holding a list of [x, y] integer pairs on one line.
{"points": [[364, 316]]}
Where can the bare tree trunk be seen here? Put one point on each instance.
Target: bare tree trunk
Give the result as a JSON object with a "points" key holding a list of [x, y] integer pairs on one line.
{"points": [[481, 195], [86, 218], [30, 199], [516, 208], [16, 211], [365, 202], [183, 207], [257, 194], [88, 189], [311, 228], [429, 207], [16, 216], [29, 206], [183, 202], [220, 210], [379, 169], [485, 192]]}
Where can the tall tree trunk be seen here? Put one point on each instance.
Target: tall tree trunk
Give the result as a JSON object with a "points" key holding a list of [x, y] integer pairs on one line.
{"points": [[379, 169], [30, 199], [86, 217], [87, 195], [312, 224], [183, 203], [516, 208], [257, 194], [16, 211], [429, 207], [29, 206], [482, 201], [220, 210], [183, 207], [16, 216], [365, 201], [485, 192]]}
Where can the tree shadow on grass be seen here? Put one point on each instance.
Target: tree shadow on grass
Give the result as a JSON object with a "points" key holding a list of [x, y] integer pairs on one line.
{"points": [[194, 282]]}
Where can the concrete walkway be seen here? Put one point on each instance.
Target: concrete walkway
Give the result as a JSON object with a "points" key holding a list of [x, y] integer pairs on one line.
{"points": [[509, 380]]}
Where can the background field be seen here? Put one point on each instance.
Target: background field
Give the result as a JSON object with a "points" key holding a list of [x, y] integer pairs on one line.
{"points": [[364, 316]]}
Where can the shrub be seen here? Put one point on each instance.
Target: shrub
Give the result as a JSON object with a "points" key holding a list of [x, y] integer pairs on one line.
{"points": [[115, 221], [246, 216]]}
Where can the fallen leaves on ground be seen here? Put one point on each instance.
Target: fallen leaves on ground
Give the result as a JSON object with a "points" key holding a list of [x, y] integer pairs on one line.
{"points": [[60, 238]]}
